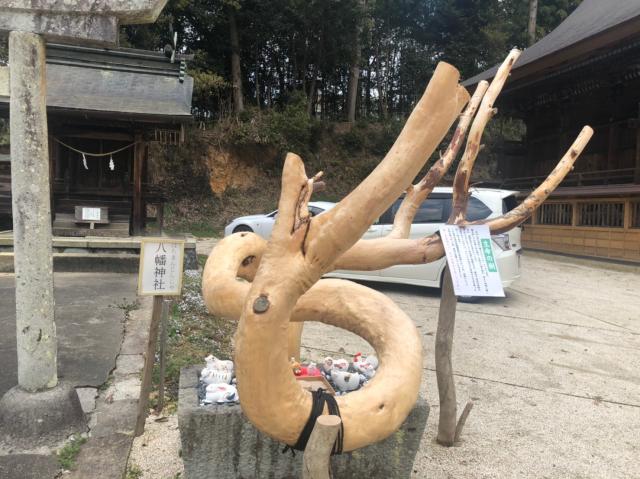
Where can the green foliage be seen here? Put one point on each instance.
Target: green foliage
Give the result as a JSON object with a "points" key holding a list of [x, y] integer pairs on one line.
{"points": [[288, 128], [289, 46], [69, 452], [193, 334], [133, 472]]}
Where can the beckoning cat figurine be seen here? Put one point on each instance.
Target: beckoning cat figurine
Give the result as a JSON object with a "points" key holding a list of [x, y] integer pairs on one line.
{"points": [[345, 381], [221, 393]]}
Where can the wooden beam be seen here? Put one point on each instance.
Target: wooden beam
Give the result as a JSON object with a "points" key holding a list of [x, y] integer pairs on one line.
{"points": [[138, 167], [636, 175]]}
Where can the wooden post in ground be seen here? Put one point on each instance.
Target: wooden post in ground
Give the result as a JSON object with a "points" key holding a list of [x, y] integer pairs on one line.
{"points": [[163, 355], [149, 358], [316, 463], [444, 369]]}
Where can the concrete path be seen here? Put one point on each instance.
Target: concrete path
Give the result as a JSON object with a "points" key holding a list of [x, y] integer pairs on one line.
{"points": [[553, 370], [89, 325]]}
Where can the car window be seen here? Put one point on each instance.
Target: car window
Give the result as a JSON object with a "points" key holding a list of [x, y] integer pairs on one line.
{"points": [[314, 210], [437, 210], [509, 203], [477, 210]]}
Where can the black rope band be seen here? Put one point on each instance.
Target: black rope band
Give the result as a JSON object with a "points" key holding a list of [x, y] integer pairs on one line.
{"points": [[320, 397]]}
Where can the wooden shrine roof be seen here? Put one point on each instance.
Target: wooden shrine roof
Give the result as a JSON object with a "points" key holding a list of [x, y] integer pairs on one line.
{"points": [[119, 82], [594, 24]]}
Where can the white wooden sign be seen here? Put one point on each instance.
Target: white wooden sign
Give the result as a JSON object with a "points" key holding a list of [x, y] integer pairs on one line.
{"points": [[90, 214], [161, 264], [473, 266]]}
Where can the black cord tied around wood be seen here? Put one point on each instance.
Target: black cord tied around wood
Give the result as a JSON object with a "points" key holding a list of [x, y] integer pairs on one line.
{"points": [[320, 397]]}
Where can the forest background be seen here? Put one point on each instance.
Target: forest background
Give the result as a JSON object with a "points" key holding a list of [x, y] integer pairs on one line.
{"points": [[332, 80]]}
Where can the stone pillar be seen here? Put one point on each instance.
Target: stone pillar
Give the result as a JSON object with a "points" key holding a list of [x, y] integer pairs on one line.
{"points": [[36, 330]]}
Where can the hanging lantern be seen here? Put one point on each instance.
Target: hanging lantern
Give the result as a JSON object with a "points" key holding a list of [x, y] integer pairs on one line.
{"points": [[112, 165], [84, 162]]}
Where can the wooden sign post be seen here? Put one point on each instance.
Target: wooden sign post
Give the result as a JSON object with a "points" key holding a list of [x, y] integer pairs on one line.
{"points": [[160, 275]]}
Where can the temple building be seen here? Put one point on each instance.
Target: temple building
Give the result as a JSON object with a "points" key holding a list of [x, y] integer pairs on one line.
{"points": [[105, 108], [585, 72]]}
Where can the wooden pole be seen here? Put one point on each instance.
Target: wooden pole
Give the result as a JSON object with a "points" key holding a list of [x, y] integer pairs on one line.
{"points": [[145, 387], [316, 462], [444, 370], [163, 355], [138, 165]]}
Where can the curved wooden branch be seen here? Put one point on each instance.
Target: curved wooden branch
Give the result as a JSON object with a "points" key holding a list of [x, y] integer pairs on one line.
{"points": [[419, 192], [383, 252], [519, 214], [286, 287], [485, 113]]}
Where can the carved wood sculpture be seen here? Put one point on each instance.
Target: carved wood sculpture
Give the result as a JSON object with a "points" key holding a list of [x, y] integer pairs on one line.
{"points": [[283, 276]]}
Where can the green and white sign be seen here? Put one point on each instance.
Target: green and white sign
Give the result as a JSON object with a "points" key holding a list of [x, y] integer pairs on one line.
{"points": [[470, 258]]}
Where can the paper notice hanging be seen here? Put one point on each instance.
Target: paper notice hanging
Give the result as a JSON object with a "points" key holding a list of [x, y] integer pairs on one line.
{"points": [[470, 258]]}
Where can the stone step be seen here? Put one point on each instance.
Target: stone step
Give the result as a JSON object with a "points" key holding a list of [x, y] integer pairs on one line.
{"points": [[83, 262]]}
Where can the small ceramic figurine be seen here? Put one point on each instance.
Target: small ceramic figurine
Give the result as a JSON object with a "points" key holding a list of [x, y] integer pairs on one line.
{"points": [[364, 366], [327, 365], [219, 364], [341, 364], [345, 381], [213, 376], [297, 368], [217, 371], [312, 370], [220, 393]]}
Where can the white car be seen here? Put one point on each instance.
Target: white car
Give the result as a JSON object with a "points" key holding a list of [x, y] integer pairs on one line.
{"points": [[434, 212], [263, 224]]}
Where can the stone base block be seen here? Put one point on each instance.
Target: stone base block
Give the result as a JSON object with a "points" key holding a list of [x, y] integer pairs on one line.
{"points": [[218, 441], [29, 420]]}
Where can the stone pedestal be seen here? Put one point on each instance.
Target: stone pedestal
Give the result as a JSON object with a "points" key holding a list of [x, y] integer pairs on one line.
{"points": [[218, 441], [31, 420]]}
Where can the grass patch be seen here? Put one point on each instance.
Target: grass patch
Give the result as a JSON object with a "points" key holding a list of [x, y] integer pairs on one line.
{"points": [[68, 454], [133, 472], [192, 335], [127, 307]]}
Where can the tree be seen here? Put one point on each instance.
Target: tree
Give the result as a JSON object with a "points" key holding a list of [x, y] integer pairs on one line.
{"points": [[533, 15]]}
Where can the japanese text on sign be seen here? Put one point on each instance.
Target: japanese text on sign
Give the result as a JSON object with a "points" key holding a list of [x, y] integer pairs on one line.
{"points": [[91, 214], [161, 267], [470, 258]]}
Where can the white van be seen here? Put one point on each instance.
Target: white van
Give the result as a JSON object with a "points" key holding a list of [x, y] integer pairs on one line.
{"points": [[434, 212]]}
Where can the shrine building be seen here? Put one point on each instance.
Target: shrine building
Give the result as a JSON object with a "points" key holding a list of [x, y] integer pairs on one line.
{"points": [[105, 107], [585, 72]]}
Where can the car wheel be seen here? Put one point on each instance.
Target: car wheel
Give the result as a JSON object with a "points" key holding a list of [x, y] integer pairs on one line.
{"points": [[241, 228]]}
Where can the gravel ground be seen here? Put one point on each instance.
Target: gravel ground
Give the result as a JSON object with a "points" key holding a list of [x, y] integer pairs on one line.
{"points": [[157, 452], [553, 370]]}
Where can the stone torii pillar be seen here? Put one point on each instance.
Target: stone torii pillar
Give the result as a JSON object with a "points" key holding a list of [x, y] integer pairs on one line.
{"points": [[30, 22]]}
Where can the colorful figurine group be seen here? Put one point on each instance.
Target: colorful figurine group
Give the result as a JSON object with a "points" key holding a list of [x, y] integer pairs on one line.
{"points": [[341, 374], [218, 378]]}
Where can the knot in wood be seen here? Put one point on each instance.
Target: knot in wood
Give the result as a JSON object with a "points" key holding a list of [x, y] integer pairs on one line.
{"points": [[261, 304]]}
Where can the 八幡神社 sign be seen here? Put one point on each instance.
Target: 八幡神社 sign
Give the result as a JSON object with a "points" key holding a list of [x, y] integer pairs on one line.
{"points": [[471, 261], [161, 262]]}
